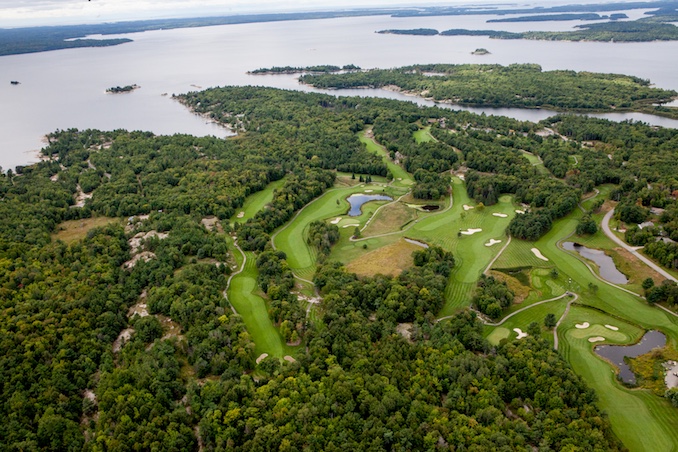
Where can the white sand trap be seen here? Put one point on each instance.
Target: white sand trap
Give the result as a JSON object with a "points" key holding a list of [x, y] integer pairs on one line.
{"points": [[261, 357], [596, 339], [539, 255], [520, 333], [350, 225], [336, 220], [582, 326], [467, 207], [502, 215], [462, 177], [520, 211], [368, 191], [289, 359], [612, 327], [492, 242], [241, 214], [471, 231]]}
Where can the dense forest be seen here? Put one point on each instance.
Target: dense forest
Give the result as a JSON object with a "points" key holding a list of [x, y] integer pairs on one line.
{"points": [[516, 85], [121, 338]]}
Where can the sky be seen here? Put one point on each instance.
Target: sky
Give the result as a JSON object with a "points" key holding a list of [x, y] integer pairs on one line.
{"points": [[20, 13]]}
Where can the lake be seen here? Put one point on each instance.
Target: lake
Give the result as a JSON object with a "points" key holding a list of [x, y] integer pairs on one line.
{"points": [[66, 88]]}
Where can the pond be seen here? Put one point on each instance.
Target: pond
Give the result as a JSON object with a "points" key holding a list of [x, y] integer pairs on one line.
{"points": [[430, 207], [616, 353], [356, 201], [608, 271]]}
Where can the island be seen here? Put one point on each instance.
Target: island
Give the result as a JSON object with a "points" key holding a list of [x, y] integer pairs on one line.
{"points": [[516, 85], [480, 51], [317, 69], [558, 17], [122, 89], [641, 30]]}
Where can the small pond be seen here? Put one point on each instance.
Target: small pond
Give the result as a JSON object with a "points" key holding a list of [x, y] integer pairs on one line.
{"points": [[616, 353], [430, 207], [608, 271], [356, 201]]}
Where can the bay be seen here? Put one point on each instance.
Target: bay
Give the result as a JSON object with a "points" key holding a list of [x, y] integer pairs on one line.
{"points": [[66, 88]]}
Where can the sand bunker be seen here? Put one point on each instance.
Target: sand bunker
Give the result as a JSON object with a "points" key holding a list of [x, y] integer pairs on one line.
{"points": [[502, 215], [241, 214], [612, 327], [520, 333], [582, 326], [492, 242], [462, 177], [471, 231], [288, 358], [336, 220], [368, 191], [596, 339], [350, 225], [520, 211], [261, 357], [467, 207], [539, 255]]}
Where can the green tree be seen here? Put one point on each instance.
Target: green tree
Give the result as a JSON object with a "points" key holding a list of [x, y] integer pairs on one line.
{"points": [[550, 321]]}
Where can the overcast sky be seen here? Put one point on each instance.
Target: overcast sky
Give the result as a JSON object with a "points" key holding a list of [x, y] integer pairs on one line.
{"points": [[19, 13]]}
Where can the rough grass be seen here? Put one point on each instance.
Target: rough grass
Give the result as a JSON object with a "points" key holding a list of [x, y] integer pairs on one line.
{"points": [[72, 230], [388, 260], [392, 217], [649, 370], [520, 290]]}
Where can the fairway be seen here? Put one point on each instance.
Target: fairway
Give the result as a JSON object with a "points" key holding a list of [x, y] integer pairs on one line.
{"points": [[243, 294], [400, 176]]}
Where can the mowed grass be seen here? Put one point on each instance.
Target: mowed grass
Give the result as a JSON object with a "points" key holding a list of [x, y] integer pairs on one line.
{"points": [[388, 260], [291, 238], [256, 201], [535, 161], [400, 176], [470, 253], [423, 135], [72, 230], [643, 421], [245, 296]]}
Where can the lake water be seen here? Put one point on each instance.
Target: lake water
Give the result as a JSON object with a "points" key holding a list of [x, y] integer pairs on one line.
{"points": [[608, 271], [616, 353], [356, 201], [66, 88]]}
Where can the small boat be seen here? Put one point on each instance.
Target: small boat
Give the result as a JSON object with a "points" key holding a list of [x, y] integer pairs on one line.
{"points": [[14, 82]]}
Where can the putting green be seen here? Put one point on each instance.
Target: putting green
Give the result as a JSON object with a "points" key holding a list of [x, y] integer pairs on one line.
{"points": [[256, 201], [423, 135]]}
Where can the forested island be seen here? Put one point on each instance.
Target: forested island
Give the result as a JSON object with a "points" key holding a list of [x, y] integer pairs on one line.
{"points": [[122, 89], [516, 85], [185, 293], [320, 69], [631, 31], [563, 16]]}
